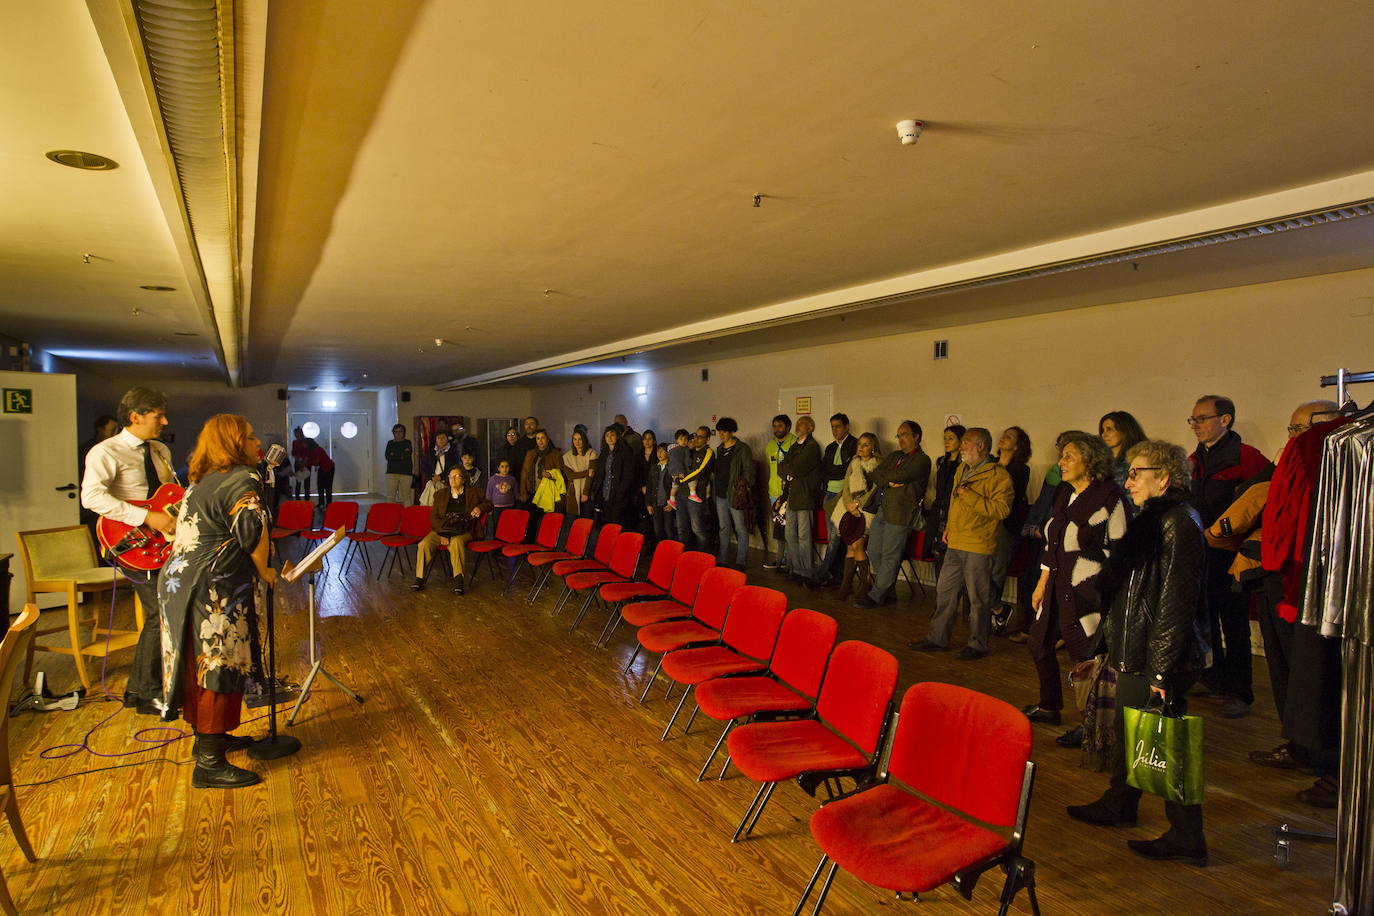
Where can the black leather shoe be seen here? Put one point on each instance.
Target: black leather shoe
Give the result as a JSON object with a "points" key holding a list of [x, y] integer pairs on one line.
{"points": [[213, 771], [418, 585], [1166, 850], [1280, 758], [926, 645], [970, 654], [811, 584], [864, 602], [1071, 738], [458, 587], [1324, 793], [1042, 716], [1234, 708], [1099, 814]]}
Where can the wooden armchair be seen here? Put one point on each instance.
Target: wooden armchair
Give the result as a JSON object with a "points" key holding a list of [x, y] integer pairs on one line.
{"points": [[16, 642], [63, 560]]}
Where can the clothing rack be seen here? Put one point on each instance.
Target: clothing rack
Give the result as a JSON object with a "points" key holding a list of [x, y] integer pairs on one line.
{"points": [[1350, 877]]}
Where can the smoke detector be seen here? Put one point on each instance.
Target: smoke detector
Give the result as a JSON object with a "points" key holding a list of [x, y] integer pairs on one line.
{"points": [[909, 131]]}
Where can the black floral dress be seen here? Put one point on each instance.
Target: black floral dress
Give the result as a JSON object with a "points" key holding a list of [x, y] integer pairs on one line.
{"points": [[206, 588]]}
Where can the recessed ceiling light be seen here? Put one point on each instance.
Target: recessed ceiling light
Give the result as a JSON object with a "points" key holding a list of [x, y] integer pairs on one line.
{"points": [[159, 289], [78, 160]]}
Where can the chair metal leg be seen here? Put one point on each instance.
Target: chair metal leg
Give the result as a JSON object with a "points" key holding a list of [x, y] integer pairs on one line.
{"points": [[652, 677], [685, 694], [825, 889], [724, 769], [539, 580], [582, 611], [1020, 873], [690, 719], [633, 655], [810, 884], [611, 623], [751, 815], [562, 599], [729, 726]]}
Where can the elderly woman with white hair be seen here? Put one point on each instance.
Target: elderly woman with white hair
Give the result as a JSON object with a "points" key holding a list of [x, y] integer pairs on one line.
{"points": [[1086, 520], [1155, 632]]}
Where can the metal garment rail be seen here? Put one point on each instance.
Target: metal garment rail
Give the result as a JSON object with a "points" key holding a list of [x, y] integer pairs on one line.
{"points": [[1343, 379]]}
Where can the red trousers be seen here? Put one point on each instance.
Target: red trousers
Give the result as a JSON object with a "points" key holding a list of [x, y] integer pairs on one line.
{"points": [[206, 711]]}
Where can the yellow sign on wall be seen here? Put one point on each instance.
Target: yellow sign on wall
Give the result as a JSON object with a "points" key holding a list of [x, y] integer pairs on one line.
{"points": [[803, 406], [18, 400]]}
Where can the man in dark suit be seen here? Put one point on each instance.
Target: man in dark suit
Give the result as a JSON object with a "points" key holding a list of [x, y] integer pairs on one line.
{"points": [[801, 472], [834, 464], [901, 480]]}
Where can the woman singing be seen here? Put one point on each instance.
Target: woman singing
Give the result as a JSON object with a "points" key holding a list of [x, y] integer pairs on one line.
{"points": [[206, 595]]}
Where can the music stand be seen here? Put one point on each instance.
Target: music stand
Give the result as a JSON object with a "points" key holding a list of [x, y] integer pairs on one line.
{"points": [[310, 565], [274, 745]]}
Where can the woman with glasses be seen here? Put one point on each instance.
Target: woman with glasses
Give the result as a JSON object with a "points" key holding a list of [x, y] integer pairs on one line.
{"points": [[1086, 521], [1121, 432], [1155, 632]]}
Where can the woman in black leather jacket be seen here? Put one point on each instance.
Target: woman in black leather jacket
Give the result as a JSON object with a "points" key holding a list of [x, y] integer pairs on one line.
{"points": [[1155, 632]]}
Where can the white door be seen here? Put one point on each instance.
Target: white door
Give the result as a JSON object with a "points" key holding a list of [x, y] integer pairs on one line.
{"points": [[347, 436], [39, 484], [813, 401]]}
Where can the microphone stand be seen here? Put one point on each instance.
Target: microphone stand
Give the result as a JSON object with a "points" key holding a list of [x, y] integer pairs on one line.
{"points": [[274, 745]]}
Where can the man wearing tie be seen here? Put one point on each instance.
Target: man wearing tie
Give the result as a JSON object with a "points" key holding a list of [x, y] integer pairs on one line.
{"points": [[132, 464]]}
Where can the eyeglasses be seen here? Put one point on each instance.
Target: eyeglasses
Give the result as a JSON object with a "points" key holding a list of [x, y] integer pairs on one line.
{"points": [[1198, 421], [1134, 473], [1299, 429]]}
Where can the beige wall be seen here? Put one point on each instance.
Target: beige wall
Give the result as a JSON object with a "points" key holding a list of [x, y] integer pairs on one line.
{"points": [[1263, 345]]}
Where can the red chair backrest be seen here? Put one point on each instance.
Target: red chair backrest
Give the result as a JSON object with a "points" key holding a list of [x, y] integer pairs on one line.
{"points": [[718, 587], [511, 528], [804, 646], [687, 575], [384, 518], [625, 556], [822, 533], [415, 521], [962, 748], [751, 627], [342, 514], [549, 527], [578, 536], [296, 514], [665, 559], [916, 547], [605, 544], [858, 688]]}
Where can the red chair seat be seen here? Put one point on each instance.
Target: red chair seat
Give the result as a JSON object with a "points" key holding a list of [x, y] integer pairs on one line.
{"points": [[545, 557], [316, 535], [398, 540], [485, 546], [565, 568], [624, 591], [518, 550], [278, 533], [366, 536], [674, 634], [582, 581], [644, 613], [892, 839], [700, 665], [731, 698], [775, 751]]}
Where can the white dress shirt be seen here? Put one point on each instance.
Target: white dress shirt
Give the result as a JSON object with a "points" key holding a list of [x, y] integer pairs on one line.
{"points": [[114, 474]]}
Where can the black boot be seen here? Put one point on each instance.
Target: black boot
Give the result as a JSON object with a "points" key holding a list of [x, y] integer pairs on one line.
{"points": [[847, 580], [212, 770], [237, 743], [417, 585], [458, 587]]}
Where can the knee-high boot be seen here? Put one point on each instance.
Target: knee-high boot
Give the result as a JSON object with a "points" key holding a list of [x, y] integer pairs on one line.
{"points": [[847, 581]]}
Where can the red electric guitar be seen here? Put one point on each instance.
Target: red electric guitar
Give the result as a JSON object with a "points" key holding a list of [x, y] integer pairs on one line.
{"points": [[141, 548]]}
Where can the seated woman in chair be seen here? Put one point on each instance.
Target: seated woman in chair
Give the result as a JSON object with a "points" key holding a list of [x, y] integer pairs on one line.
{"points": [[453, 521], [206, 596]]}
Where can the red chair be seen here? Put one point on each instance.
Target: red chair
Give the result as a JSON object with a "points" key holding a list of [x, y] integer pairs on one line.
{"points": [[575, 548], [600, 559], [820, 539], [546, 538], [840, 742], [345, 517], [624, 562], [746, 645], [293, 517], [691, 566], [654, 585], [718, 587], [382, 518], [963, 750], [915, 553], [787, 690], [414, 528], [510, 529]]}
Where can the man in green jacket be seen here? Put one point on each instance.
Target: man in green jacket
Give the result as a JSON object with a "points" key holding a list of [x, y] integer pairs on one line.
{"points": [[901, 481], [981, 499]]}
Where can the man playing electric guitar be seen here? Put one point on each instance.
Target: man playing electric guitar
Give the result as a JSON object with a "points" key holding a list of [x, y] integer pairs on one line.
{"points": [[131, 465]]}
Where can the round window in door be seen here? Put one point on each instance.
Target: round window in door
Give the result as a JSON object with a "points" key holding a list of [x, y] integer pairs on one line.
{"points": [[310, 428], [349, 429]]}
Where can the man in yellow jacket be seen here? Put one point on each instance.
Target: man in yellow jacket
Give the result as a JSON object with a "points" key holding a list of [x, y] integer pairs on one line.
{"points": [[981, 499]]}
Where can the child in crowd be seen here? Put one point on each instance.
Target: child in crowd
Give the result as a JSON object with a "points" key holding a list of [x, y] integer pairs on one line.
{"points": [[500, 486], [470, 467], [660, 495], [680, 465]]}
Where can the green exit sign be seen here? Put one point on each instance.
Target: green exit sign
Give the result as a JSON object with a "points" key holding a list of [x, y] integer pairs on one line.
{"points": [[18, 400]]}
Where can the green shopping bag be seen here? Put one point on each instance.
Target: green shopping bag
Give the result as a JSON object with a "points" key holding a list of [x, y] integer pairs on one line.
{"points": [[1164, 753]]}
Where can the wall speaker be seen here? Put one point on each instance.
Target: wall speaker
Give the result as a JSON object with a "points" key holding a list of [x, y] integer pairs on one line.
{"points": [[281, 394], [405, 395]]}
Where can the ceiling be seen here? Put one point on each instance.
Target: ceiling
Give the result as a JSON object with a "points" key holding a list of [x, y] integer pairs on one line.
{"points": [[551, 183]]}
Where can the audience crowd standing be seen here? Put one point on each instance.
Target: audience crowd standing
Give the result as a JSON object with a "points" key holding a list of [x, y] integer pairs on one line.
{"points": [[1110, 558]]}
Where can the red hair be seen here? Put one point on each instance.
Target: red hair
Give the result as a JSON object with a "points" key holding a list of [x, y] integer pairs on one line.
{"points": [[222, 444]]}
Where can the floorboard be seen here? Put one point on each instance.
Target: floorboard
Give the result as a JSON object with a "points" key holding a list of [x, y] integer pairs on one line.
{"points": [[502, 765]]}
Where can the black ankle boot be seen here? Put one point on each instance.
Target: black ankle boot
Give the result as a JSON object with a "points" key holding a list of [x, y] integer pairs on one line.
{"points": [[237, 743], [212, 770], [458, 588], [418, 585]]}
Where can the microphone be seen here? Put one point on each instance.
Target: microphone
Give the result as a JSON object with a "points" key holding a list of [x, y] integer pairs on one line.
{"points": [[275, 455]]}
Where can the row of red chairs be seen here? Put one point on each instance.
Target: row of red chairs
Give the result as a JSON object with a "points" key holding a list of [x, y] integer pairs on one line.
{"points": [[797, 706]]}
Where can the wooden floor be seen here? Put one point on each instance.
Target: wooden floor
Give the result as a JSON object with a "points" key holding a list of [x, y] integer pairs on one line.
{"points": [[502, 765]]}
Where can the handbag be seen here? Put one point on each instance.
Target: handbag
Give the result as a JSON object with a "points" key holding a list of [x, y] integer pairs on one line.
{"points": [[851, 527], [1164, 753]]}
